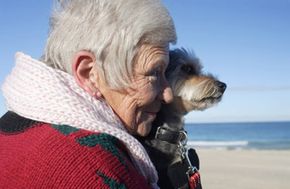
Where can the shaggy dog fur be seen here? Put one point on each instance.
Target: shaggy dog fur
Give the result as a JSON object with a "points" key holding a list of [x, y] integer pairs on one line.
{"points": [[193, 90]]}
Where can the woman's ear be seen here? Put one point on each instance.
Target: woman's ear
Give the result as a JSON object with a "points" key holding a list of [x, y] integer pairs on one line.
{"points": [[84, 72]]}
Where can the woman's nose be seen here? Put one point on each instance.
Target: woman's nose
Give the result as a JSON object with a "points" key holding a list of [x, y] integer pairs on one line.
{"points": [[166, 94]]}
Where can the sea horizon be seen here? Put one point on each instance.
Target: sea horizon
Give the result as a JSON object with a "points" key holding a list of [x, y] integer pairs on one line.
{"points": [[239, 135], [236, 121]]}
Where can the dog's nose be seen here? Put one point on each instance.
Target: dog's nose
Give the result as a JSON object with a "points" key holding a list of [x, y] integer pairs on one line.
{"points": [[222, 86]]}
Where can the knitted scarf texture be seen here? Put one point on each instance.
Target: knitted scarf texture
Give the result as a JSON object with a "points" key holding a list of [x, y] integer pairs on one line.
{"points": [[39, 92]]}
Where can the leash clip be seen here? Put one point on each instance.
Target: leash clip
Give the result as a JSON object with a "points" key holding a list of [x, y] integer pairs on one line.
{"points": [[184, 155]]}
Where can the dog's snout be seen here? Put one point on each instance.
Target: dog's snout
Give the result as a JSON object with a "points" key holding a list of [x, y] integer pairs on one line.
{"points": [[222, 86]]}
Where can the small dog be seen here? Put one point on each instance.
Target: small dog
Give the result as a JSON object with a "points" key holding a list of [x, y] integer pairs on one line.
{"points": [[192, 90]]}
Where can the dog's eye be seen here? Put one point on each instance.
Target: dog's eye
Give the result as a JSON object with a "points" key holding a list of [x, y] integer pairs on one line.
{"points": [[187, 69]]}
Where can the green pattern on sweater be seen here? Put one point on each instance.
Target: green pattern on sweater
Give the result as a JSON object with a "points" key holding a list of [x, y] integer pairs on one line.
{"points": [[113, 184], [108, 142], [65, 129]]}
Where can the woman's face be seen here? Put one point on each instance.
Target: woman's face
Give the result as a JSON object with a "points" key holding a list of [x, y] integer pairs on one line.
{"points": [[138, 104]]}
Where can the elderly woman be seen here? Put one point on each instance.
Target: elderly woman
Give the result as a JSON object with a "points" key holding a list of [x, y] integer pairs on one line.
{"points": [[73, 113]]}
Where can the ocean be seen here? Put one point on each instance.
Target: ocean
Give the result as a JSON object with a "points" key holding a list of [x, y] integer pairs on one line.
{"points": [[259, 136]]}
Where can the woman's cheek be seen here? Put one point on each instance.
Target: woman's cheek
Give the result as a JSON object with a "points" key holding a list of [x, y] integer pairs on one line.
{"points": [[151, 93]]}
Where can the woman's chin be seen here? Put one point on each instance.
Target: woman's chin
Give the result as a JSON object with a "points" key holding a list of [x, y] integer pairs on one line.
{"points": [[144, 129]]}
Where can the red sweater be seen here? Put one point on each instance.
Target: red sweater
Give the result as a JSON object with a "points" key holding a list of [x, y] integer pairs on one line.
{"points": [[42, 155]]}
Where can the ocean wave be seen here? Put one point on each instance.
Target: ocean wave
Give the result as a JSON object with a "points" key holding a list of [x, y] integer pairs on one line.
{"points": [[215, 144], [242, 144]]}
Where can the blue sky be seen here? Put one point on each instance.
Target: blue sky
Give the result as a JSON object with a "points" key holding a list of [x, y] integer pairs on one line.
{"points": [[246, 43]]}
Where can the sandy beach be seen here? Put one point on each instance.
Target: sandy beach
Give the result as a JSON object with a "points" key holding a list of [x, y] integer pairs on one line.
{"points": [[244, 169]]}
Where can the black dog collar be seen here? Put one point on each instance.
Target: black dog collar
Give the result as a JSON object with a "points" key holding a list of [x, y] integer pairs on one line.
{"points": [[174, 137]]}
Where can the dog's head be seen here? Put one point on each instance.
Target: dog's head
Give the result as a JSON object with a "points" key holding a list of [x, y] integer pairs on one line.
{"points": [[192, 88]]}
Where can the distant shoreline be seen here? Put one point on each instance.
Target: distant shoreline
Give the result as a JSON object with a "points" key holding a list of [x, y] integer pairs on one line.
{"points": [[258, 135], [237, 122]]}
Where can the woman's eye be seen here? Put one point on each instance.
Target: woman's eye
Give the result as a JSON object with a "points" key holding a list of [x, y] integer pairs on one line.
{"points": [[158, 71], [155, 74]]}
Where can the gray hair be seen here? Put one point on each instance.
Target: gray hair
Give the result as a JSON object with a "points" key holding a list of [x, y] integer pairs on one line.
{"points": [[113, 30]]}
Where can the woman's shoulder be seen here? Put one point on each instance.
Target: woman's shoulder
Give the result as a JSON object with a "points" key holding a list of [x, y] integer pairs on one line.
{"points": [[106, 155], [72, 155], [90, 139]]}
